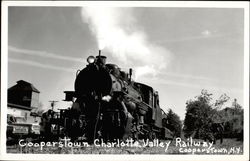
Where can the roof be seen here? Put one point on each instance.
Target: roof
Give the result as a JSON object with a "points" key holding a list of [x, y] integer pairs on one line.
{"points": [[23, 85], [19, 106], [143, 85]]}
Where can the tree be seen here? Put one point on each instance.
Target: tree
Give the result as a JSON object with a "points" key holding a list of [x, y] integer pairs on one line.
{"points": [[223, 99], [236, 106], [233, 118], [201, 114], [197, 114], [174, 123]]}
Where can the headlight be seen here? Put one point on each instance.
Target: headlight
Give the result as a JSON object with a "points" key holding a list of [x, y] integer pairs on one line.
{"points": [[106, 98], [91, 59]]}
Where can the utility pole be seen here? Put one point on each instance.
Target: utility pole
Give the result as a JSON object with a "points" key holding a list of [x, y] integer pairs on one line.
{"points": [[53, 104]]}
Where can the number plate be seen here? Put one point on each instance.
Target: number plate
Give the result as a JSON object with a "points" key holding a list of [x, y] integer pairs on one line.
{"points": [[20, 130]]}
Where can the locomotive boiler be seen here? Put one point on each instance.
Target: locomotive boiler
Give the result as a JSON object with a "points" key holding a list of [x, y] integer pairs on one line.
{"points": [[108, 104]]}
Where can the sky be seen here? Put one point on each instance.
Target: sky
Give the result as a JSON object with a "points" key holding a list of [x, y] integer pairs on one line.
{"points": [[177, 51]]}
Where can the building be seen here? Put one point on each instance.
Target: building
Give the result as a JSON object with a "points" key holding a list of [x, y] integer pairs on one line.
{"points": [[22, 99]]}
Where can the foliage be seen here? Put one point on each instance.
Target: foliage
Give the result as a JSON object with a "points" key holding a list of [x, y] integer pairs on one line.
{"points": [[174, 123], [197, 113], [223, 99], [237, 107], [201, 113], [233, 120]]}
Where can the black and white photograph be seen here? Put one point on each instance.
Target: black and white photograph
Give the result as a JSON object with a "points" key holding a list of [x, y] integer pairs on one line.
{"points": [[130, 81]]}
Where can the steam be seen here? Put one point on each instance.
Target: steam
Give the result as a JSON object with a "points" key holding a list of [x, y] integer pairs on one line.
{"points": [[116, 31]]}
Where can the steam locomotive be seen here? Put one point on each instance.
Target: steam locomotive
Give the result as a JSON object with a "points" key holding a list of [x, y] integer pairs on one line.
{"points": [[108, 104]]}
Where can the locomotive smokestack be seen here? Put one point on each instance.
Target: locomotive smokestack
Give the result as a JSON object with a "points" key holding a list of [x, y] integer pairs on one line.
{"points": [[101, 60], [100, 52]]}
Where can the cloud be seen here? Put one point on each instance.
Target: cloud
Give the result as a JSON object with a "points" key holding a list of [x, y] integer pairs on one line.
{"points": [[203, 35], [43, 54], [40, 65], [198, 83], [206, 33], [186, 76], [116, 30], [143, 71]]}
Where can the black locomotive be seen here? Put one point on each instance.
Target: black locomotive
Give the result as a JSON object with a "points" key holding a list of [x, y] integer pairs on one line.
{"points": [[108, 104]]}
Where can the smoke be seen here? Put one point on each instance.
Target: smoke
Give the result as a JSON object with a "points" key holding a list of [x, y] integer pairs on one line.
{"points": [[117, 31]]}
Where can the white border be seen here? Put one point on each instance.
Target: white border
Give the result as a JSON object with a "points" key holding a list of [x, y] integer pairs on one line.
{"points": [[189, 4], [4, 76]]}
